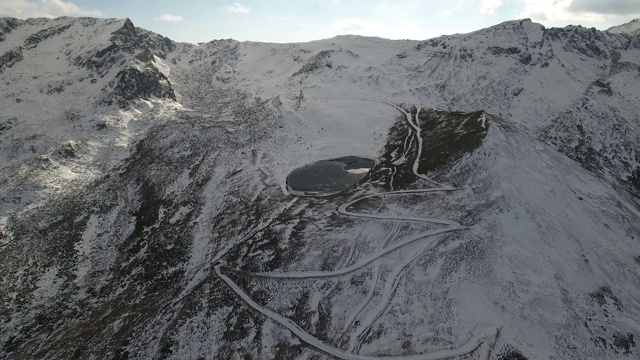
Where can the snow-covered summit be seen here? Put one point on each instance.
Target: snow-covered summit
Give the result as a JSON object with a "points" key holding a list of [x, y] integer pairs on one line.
{"points": [[67, 87], [632, 28]]}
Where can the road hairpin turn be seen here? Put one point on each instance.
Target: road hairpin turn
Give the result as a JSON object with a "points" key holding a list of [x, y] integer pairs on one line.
{"points": [[483, 336]]}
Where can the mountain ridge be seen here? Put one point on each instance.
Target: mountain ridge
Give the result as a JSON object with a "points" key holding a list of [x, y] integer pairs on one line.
{"points": [[631, 27]]}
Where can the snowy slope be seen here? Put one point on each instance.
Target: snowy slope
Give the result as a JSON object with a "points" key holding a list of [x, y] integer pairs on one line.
{"points": [[632, 27], [59, 123], [143, 211], [517, 70]]}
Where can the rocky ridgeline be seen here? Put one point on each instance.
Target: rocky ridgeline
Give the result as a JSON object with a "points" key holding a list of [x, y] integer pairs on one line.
{"points": [[597, 125], [126, 45]]}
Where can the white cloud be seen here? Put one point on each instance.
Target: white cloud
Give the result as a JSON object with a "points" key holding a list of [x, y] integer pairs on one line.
{"points": [[609, 7], [556, 13], [389, 30], [44, 8], [170, 18], [350, 26], [490, 6], [239, 8]]}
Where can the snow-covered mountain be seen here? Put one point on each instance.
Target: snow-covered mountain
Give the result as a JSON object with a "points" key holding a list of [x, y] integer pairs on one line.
{"points": [[144, 214], [632, 28]]}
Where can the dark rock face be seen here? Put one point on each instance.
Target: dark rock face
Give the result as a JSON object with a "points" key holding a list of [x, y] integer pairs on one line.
{"points": [[589, 42], [623, 342], [510, 353], [7, 25], [132, 84], [497, 50], [621, 66], [34, 39], [634, 178], [605, 87], [102, 60], [10, 58], [447, 136], [133, 40], [316, 63], [450, 135]]}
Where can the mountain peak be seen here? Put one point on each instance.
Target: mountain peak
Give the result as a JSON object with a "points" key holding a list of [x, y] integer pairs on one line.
{"points": [[128, 30], [632, 27]]}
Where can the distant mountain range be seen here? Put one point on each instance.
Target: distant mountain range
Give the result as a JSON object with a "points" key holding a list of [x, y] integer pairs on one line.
{"points": [[144, 212]]}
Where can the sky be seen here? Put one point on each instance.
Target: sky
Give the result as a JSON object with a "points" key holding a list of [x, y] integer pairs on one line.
{"points": [[306, 20]]}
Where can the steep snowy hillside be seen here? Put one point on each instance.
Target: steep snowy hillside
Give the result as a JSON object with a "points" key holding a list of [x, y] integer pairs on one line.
{"points": [[60, 80], [144, 212], [632, 27]]}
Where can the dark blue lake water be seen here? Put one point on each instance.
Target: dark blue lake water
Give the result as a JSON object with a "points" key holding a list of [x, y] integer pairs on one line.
{"points": [[328, 177]]}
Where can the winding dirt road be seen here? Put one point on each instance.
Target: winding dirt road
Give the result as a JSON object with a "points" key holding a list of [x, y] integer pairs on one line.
{"points": [[484, 335]]}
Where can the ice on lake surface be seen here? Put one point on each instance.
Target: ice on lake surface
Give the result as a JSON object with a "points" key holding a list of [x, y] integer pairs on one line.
{"points": [[328, 177]]}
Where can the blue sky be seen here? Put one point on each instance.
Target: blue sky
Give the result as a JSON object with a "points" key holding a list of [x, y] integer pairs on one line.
{"points": [[306, 20]]}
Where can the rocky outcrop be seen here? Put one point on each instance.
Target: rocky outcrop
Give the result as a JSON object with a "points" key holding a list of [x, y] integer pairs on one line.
{"points": [[7, 25], [10, 58], [132, 84]]}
